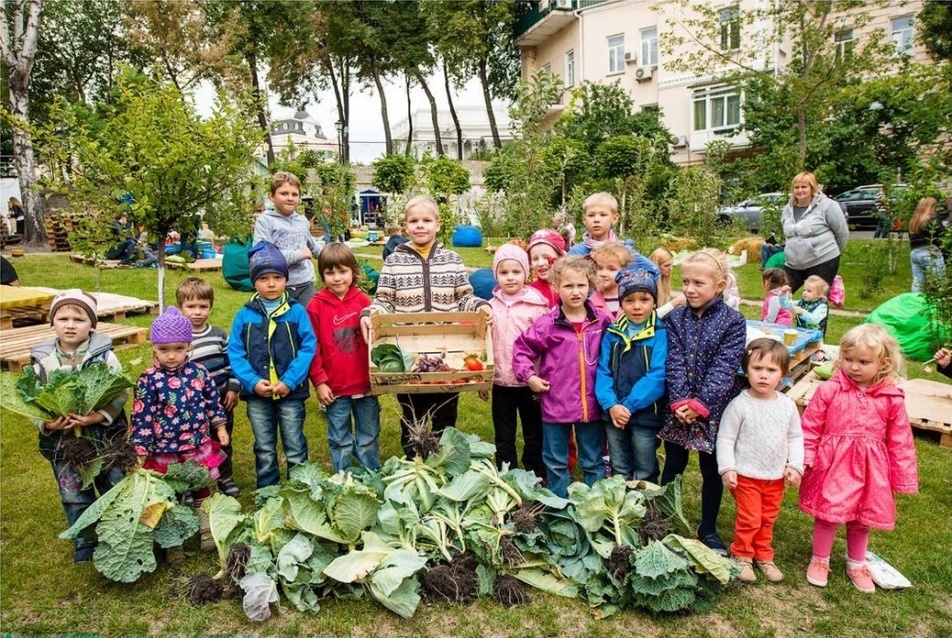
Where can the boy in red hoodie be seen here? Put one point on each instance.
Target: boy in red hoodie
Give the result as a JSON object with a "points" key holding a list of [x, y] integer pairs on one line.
{"points": [[335, 315]]}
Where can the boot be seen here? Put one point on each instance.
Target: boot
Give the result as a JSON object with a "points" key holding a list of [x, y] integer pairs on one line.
{"points": [[204, 529]]}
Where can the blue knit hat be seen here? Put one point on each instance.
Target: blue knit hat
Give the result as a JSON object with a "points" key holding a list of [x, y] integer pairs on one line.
{"points": [[265, 258], [171, 327], [634, 279]]}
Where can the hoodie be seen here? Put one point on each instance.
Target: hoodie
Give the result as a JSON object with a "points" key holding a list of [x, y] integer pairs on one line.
{"points": [[341, 357], [290, 233]]}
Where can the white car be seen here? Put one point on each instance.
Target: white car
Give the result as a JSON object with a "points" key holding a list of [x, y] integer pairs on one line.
{"points": [[751, 211]]}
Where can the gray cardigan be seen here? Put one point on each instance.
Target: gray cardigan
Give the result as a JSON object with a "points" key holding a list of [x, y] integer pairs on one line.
{"points": [[819, 236]]}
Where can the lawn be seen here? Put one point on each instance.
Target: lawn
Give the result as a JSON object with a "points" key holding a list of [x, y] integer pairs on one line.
{"points": [[41, 591]]}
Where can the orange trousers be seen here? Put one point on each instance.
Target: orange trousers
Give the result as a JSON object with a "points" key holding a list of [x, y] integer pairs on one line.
{"points": [[758, 505]]}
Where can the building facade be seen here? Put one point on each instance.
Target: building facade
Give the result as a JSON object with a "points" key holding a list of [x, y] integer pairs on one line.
{"points": [[473, 120], [303, 133]]}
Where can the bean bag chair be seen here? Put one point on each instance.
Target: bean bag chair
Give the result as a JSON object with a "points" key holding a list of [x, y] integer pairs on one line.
{"points": [[906, 317], [234, 266], [777, 260], [483, 282], [467, 237]]}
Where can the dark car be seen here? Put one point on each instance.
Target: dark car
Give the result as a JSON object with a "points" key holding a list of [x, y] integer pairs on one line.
{"points": [[751, 211], [860, 204]]}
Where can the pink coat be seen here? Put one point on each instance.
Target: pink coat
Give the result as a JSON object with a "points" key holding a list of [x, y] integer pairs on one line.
{"points": [[858, 450], [508, 323]]}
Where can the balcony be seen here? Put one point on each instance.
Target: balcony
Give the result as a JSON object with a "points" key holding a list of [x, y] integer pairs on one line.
{"points": [[545, 19]]}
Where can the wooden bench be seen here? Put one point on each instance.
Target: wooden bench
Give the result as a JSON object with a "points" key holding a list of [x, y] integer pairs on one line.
{"points": [[16, 343]]}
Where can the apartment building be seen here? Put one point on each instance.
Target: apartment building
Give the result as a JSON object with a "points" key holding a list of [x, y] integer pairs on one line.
{"points": [[625, 41]]}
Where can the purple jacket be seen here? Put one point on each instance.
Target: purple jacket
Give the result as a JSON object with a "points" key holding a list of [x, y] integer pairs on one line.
{"points": [[567, 360]]}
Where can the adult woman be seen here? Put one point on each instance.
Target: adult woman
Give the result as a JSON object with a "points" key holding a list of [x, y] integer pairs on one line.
{"points": [[925, 238], [16, 213], [815, 230]]}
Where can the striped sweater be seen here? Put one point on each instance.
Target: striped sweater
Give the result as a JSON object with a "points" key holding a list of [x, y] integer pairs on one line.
{"points": [[210, 349], [411, 283]]}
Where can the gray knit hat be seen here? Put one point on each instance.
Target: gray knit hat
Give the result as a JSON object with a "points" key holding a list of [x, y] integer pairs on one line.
{"points": [[171, 327]]}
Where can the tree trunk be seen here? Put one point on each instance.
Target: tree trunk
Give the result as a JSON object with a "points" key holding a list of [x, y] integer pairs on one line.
{"points": [[487, 98], [407, 150], [161, 270], [260, 105], [433, 113], [384, 115], [449, 100], [802, 130], [345, 95]]}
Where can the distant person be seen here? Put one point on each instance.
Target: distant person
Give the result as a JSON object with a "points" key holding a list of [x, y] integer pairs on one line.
{"points": [[565, 227], [816, 233], [8, 274], [17, 214], [925, 240], [943, 360], [394, 239], [124, 248]]}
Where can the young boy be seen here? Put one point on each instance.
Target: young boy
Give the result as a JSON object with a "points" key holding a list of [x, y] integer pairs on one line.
{"points": [[270, 351], [610, 258], [339, 370], [195, 298], [601, 215], [423, 276], [395, 238], [629, 384], [76, 346], [291, 233]]}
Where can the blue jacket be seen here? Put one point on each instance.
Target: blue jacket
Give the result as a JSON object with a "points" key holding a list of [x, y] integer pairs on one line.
{"points": [[278, 347], [631, 370]]}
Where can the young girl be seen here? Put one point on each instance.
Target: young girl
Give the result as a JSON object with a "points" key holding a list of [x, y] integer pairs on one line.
{"points": [[759, 449], [774, 282], [813, 308], [76, 346], [339, 369], [176, 405], [564, 345], [610, 258], [515, 307], [664, 260], [423, 276], [545, 247], [705, 346], [858, 451]]}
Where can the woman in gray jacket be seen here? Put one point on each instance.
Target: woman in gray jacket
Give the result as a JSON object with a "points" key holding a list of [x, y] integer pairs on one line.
{"points": [[815, 230]]}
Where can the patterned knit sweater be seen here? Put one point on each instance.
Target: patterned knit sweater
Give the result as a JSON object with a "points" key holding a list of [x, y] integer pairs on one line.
{"points": [[411, 283]]}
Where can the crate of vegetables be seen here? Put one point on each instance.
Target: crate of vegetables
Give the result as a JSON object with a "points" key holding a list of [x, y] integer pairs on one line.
{"points": [[430, 352]]}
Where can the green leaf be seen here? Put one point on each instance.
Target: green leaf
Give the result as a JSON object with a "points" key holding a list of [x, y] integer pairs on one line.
{"points": [[454, 455], [548, 582], [668, 500], [292, 556], [175, 526], [12, 400], [354, 511], [704, 559], [358, 564], [224, 517], [656, 560], [187, 477]]}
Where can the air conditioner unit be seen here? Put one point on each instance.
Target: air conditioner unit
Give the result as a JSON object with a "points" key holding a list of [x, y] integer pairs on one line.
{"points": [[544, 6], [644, 73], [678, 141], [564, 5], [630, 58]]}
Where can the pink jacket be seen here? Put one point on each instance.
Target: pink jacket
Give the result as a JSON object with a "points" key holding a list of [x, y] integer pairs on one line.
{"points": [[784, 316], [858, 450], [508, 323]]}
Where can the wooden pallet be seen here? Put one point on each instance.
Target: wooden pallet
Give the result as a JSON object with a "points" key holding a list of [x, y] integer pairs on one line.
{"points": [[89, 261], [199, 265], [7, 317], [15, 344]]}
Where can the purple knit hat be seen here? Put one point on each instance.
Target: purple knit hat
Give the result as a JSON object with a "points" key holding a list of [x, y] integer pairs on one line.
{"points": [[171, 327], [511, 251]]}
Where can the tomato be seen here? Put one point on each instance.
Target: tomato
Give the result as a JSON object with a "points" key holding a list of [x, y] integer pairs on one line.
{"points": [[472, 363]]}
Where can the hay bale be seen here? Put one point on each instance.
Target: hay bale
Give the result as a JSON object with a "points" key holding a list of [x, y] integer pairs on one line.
{"points": [[750, 244], [677, 244]]}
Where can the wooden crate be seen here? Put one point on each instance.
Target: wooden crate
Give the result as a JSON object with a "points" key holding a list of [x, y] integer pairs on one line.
{"points": [[928, 403], [433, 333], [15, 344]]}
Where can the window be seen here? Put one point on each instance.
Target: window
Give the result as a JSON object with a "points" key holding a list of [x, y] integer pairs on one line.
{"points": [[717, 109], [843, 39], [616, 53], [651, 108], [730, 28], [902, 35], [570, 68], [649, 47], [546, 69]]}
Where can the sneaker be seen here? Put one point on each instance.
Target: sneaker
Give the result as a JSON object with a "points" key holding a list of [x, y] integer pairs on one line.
{"points": [[818, 572], [229, 487], [713, 541], [188, 499], [747, 574], [861, 579], [769, 569], [83, 554]]}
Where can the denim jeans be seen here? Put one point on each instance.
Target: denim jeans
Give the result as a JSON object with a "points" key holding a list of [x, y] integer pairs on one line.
{"points": [[341, 439], [267, 416], [75, 499], [590, 438], [926, 262], [633, 451]]}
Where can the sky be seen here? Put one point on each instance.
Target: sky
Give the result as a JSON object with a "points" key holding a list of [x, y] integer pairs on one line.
{"points": [[366, 126]]}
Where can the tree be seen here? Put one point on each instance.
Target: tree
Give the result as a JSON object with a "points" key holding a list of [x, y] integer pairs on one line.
{"points": [[934, 26], [148, 144], [334, 188], [393, 173], [19, 27]]}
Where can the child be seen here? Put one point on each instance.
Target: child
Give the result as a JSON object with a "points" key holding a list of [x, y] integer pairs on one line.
{"points": [[774, 280], [545, 247], [394, 239], [565, 227], [270, 350], [943, 360], [813, 308], [705, 346], [630, 381], [291, 233], [515, 307], [664, 260], [195, 298], [76, 346], [423, 276], [610, 258], [175, 407], [858, 450], [601, 215], [564, 345], [339, 370], [759, 449]]}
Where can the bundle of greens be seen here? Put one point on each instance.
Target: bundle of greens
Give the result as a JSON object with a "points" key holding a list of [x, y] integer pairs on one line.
{"points": [[389, 358]]}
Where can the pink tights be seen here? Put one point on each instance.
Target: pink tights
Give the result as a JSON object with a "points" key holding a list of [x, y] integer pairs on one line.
{"points": [[857, 538]]}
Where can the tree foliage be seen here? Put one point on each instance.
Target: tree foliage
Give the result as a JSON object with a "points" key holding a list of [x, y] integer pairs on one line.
{"points": [[934, 25], [393, 173]]}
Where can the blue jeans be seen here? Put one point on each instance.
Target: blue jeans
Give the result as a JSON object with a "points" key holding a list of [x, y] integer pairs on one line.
{"points": [[267, 416], [76, 500], [633, 451], [341, 439], [590, 439], [926, 262]]}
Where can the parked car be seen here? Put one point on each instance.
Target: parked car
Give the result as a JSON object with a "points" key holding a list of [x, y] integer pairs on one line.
{"points": [[859, 204], [751, 211]]}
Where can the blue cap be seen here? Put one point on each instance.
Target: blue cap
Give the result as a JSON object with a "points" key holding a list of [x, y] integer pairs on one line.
{"points": [[634, 279], [265, 258]]}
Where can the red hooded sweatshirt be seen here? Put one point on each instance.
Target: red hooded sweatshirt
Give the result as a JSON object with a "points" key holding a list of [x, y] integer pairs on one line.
{"points": [[341, 360]]}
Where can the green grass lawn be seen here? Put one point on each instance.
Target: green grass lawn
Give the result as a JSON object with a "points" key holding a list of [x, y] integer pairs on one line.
{"points": [[42, 592]]}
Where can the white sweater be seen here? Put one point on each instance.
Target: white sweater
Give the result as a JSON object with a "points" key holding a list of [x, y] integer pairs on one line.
{"points": [[759, 438]]}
